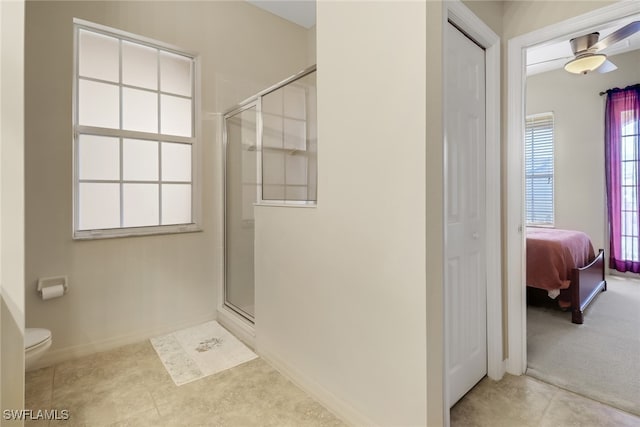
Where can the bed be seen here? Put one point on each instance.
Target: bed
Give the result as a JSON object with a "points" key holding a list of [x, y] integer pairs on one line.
{"points": [[563, 263]]}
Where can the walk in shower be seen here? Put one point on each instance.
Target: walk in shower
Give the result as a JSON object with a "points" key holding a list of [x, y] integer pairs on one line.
{"points": [[270, 145]]}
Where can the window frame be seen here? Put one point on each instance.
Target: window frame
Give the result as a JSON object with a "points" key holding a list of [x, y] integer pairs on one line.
{"points": [[626, 235], [193, 141], [255, 101], [260, 200], [549, 116]]}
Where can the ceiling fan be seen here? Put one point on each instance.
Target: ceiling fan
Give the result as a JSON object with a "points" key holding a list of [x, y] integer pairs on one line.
{"points": [[587, 50]]}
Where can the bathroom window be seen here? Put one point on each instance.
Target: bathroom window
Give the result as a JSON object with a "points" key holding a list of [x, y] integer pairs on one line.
{"points": [[134, 135]]}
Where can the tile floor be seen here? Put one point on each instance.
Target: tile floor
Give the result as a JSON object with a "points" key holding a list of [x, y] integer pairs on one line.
{"points": [[525, 401], [130, 387]]}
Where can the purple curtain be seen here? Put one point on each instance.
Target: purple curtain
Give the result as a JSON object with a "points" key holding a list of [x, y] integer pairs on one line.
{"points": [[622, 164]]}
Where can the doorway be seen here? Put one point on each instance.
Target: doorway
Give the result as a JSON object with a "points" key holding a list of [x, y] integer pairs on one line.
{"points": [[517, 361]]}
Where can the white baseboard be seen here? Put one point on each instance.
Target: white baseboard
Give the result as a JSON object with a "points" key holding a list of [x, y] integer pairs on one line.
{"points": [[339, 408], [239, 327], [60, 355], [496, 370]]}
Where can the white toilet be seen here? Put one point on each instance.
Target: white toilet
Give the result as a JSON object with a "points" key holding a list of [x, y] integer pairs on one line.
{"points": [[36, 342]]}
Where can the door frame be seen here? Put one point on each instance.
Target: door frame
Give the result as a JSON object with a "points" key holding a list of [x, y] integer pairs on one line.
{"points": [[227, 316], [247, 105], [515, 238], [466, 21]]}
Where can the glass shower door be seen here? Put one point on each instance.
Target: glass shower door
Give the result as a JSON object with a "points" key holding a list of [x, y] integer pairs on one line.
{"points": [[241, 189]]}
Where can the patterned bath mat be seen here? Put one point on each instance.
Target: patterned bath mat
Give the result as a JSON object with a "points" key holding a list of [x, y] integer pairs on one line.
{"points": [[200, 351]]}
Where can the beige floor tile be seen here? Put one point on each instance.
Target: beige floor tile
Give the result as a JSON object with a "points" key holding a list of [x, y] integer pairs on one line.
{"points": [[71, 422], [524, 401], [130, 387], [513, 401], [569, 409], [220, 387], [98, 401], [305, 413], [36, 423], [38, 393], [38, 379], [122, 362], [153, 372], [247, 395], [148, 418], [38, 389]]}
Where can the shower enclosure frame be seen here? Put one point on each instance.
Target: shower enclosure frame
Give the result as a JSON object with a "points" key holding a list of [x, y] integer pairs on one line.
{"points": [[254, 101], [244, 106]]}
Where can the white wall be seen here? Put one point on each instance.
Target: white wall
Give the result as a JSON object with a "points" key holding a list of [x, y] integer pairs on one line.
{"points": [[340, 289], [11, 207], [579, 140], [311, 45], [489, 11], [522, 17], [128, 288]]}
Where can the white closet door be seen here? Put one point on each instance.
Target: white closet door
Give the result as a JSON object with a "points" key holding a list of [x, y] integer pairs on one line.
{"points": [[465, 270]]}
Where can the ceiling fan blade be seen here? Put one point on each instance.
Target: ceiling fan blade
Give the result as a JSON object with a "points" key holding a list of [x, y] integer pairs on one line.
{"points": [[562, 58], [608, 66], [617, 36]]}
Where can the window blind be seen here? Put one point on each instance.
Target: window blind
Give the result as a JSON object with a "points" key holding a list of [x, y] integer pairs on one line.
{"points": [[538, 143]]}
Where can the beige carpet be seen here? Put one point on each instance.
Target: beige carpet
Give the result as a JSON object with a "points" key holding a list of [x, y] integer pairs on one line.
{"points": [[599, 359]]}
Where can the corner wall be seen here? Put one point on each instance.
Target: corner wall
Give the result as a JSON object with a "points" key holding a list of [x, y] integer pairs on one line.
{"points": [[127, 289], [341, 288], [11, 208]]}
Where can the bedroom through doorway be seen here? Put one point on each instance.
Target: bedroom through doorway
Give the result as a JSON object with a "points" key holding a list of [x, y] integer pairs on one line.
{"points": [[593, 350]]}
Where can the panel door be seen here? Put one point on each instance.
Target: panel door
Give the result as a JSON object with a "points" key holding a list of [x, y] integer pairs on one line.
{"points": [[465, 253]]}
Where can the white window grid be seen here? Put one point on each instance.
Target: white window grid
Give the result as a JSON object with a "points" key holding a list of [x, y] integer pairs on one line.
{"points": [[122, 134], [286, 185], [629, 185]]}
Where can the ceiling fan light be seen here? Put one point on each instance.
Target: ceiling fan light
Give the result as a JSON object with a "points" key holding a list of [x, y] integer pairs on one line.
{"points": [[585, 63]]}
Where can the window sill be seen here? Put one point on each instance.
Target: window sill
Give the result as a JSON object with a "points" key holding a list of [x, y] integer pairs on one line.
{"points": [[287, 204], [136, 232]]}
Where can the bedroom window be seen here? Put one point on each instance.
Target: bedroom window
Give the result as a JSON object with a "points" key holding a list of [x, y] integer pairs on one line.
{"points": [[538, 144], [622, 154], [629, 162], [134, 135]]}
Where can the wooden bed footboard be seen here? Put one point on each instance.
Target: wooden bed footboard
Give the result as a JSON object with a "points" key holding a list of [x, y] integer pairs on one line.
{"points": [[586, 283]]}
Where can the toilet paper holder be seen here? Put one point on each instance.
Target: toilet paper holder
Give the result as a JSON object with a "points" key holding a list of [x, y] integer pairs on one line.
{"points": [[46, 282]]}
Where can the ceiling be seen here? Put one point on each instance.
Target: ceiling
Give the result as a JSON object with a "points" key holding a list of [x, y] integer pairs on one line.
{"points": [[554, 54], [301, 12], [545, 57]]}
